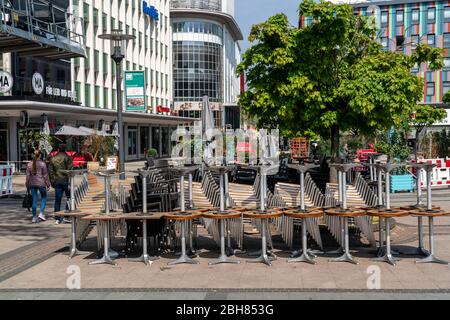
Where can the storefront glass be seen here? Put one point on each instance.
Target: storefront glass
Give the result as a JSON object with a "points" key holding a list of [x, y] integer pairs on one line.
{"points": [[132, 141], [165, 143], [155, 139], [144, 135], [3, 142]]}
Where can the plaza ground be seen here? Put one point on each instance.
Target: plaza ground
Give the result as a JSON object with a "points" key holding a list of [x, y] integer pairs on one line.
{"points": [[34, 265]]}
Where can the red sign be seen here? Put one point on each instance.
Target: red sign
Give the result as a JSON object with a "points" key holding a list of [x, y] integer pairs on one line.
{"points": [[161, 109]]}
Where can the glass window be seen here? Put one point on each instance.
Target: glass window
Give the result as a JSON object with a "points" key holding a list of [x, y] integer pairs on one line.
{"points": [[446, 37], [399, 17], [430, 89], [87, 95], [447, 13], [431, 39], [415, 14], [105, 98], [384, 42], [431, 14], [445, 87], [446, 62], [97, 96], [414, 41], [384, 17]]}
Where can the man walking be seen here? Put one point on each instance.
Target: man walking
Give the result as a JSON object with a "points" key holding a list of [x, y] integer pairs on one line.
{"points": [[59, 180]]}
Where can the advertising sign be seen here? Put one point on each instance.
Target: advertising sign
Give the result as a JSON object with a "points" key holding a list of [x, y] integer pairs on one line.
{"points": [[111, 163], [135, 90]]}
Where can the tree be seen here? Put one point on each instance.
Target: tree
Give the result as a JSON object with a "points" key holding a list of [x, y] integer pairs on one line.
{"points": [[329, 76], [423, 117]]}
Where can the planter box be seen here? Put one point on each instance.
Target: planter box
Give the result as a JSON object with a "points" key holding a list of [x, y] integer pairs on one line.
{"points": [[404, 182]]}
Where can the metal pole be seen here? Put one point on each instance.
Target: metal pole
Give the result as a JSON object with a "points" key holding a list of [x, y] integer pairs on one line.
{"points": [[144, 196], [261, 194], [191, 203], [388, 196], [72, 193], [344, 191], [107, 194], [182, 204], [222, 196], [429, 204], [380, 188], [419, 190], [120, 121], [302, 190]]}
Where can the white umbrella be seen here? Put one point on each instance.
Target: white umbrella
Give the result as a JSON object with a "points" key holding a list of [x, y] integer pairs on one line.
{"points": [[44, 144], [207, 124], [70, 131]]}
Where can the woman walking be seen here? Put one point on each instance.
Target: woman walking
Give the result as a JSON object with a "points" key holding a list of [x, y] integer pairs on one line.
{"points": [[37, 180]]}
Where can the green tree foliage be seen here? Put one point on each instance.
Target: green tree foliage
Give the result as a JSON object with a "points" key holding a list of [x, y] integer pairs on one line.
{"points": [[423, 117], [329, 76]]}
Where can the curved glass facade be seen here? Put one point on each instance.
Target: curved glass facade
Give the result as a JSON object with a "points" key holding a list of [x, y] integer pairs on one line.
{"points": [[197, 27], [197, 70], [214, 5]]}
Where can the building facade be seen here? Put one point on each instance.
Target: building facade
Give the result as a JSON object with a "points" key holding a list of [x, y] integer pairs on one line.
{"points": [[402, 25], [206, 53], [78, 81]]}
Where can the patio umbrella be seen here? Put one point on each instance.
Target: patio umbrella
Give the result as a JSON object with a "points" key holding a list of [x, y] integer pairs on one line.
{"points": [[70, 131], [44, 144], [207, 124]]}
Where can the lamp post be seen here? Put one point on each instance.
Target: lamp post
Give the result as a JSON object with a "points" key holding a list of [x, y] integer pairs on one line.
{"points": [[117, 39]]}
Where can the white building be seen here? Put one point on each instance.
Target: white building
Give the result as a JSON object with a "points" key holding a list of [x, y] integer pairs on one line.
{"points": [[94, 78], [206, 53]]}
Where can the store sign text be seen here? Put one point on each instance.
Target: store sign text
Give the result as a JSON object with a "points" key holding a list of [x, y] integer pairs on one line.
{"points": [[150, 11], [6, 81]]}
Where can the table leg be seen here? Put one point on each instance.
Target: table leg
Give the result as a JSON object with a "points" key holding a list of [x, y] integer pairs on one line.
{"points": [[264, 258], [223, 257], [388, 257], [184, 258], [346, 257], [339, 250], [432, 258], [305, 257], [144, 257], [106, 259]]}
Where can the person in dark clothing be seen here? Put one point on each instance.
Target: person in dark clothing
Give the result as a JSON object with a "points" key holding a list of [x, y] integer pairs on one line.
{"points": [[59, 180]]}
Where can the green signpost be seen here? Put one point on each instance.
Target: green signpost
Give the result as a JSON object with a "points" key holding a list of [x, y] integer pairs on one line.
{"points": [[135, 91]]}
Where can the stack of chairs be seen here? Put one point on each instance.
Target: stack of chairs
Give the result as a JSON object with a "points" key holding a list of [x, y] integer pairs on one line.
{"points": [[162, 196]]}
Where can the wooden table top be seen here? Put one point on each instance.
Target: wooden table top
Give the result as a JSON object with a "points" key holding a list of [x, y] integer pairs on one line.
{"points": [[351, 212], [263, 215], [303, 214], [224, 215], [426, 213], [382, 213], [70, 214]]}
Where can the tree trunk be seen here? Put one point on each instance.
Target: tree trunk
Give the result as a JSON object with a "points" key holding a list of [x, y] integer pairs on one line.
{"points": [[335, 157]]}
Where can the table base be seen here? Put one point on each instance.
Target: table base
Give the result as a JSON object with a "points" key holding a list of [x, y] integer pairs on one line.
{"points": [[144, 258], [305, 257], [389, 258], [346, 257], [432, 259]]}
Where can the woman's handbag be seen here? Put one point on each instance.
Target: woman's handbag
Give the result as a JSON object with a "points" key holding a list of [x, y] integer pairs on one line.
{"points": [[27, 201]]}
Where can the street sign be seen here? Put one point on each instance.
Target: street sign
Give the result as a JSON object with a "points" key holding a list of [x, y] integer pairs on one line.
{"points": [[135, 90], [6, 81]]}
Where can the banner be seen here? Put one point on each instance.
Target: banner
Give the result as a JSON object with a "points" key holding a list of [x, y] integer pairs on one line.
{"points": [[135, 91]]}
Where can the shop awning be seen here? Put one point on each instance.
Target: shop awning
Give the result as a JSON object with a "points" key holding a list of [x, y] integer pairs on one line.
{"points": [[12, 108], [71, 131]]}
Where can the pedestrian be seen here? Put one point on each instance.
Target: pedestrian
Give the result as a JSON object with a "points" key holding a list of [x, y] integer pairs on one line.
{"points": [[38, 181], [60, 180]]}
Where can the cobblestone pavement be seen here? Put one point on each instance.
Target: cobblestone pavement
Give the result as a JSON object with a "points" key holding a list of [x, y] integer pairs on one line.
{"points": [[33, 264]]}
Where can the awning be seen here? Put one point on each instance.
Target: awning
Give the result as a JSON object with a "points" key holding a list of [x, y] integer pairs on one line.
{"points": [[12, 108]]}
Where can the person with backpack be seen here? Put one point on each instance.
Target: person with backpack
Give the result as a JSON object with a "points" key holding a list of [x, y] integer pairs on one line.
{"points": [[37, 180], [60, 180]]}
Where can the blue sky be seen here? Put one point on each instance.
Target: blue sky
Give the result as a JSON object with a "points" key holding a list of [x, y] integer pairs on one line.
{"points": [[249, 12]]}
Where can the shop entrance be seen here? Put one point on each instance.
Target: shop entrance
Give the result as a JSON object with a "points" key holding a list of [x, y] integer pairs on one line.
{"points": [[144, 138], [4, 146]]}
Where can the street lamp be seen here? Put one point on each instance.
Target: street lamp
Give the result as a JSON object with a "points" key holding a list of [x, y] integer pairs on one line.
{"points": [[117, 54]]}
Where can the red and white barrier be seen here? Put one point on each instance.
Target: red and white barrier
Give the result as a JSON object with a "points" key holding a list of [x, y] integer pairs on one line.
{"points": [[6, 184], [440, 175]]}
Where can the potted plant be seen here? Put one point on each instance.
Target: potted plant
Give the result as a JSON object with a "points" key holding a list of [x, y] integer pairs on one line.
{"points": [[397, 151], [151, 155]]}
